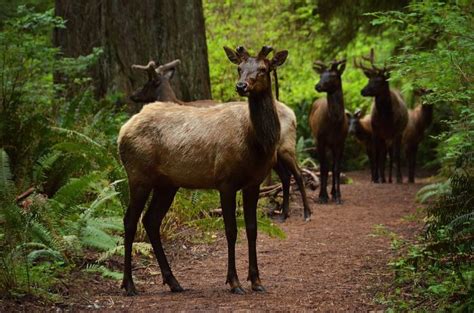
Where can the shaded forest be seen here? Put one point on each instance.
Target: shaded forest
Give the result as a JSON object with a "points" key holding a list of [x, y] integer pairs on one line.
{"points": [[66, 81]]}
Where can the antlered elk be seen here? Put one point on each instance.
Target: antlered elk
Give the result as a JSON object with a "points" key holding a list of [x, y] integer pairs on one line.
{"points": [[158, 88], [389, 117], [328, 123], [418, 121], [225, 147]]}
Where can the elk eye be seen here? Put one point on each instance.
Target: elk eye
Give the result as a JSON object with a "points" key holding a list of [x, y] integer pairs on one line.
{"points": [[239, 70]]}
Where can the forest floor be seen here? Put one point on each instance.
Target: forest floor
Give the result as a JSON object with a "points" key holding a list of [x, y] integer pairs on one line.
{"points": [[335, 262]]}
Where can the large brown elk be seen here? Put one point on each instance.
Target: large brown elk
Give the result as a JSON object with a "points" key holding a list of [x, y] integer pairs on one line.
{"points": [[329, 125], [224, 147], [419, 119], [389, 117], [158, 88]]}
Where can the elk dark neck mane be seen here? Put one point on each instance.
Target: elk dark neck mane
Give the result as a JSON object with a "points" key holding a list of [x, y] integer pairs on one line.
{"points": [[166, 93], [265, 121], [336, 105], [383, 102]]}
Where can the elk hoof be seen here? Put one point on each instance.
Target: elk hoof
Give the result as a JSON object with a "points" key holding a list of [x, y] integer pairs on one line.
{"points": [[307, 217], [338, 201], [173, 284], [130, 290], [258, 288], [238, 290], [323, 200]]}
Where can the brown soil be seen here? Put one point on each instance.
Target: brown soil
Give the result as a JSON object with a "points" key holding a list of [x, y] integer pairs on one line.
{"points": [[335, 262]]}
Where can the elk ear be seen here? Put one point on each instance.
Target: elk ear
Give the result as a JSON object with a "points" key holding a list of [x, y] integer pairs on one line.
{"points": [[341, 68], [278, 59], [232, 55], [348, 115]]}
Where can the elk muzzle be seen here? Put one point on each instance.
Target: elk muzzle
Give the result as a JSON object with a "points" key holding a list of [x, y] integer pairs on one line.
{"points": [[242, 88]]}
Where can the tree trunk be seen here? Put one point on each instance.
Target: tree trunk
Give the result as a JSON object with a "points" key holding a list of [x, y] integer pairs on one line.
{"points": [[134, 32]]}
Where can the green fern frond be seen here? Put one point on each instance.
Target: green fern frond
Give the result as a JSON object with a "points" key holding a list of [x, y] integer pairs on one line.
{"points": [[43, 165], [7, 187], [44, 254], [77, 136], [435, 190], [462, 220], [70, 193], [104, 271]]}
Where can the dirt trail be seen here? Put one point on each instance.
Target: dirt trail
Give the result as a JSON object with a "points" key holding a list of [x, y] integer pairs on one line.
{"points": [[333, 263]]}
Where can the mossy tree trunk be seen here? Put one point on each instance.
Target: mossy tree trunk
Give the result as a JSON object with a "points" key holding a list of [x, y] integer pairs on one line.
{"points": [[134, 32]]}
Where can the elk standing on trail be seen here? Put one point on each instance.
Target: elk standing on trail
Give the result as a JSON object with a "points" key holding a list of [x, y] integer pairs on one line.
{"points": [[361, 128], [225, 147], [158, 88], [389, 117], [419, 119], [328, 123]]}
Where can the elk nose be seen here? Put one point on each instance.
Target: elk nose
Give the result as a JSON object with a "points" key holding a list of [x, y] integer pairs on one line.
{"points": [[318, 87], [241, 86]]}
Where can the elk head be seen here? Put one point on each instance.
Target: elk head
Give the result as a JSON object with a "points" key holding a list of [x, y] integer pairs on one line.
{"points": [[354, 124], [330, 76], [157, 76], [254, 72], [378, 77]]}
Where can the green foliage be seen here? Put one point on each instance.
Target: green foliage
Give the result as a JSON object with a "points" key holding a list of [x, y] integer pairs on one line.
{"points": [[434, 51]]}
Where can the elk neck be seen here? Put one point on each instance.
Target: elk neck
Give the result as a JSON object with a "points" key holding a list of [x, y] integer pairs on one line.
{"points": [[265, 121], [336, 104], [166, 93], [383, 102]]}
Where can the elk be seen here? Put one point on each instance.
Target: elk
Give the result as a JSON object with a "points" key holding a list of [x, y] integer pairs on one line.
{"points": [[389, 117], [224, 147], [361, 128], [419, 119], [158, 88], [329, 125]]}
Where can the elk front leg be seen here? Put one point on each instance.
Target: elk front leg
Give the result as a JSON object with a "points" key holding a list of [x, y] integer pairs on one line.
{"points": [[397, 146], [250, 198], [323, 169], [228, 211], [337, 174]]}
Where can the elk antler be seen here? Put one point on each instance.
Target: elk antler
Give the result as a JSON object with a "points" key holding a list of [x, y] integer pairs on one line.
{"points": [[163, 68], [242, 52], [149, 68], [264, 52], [335, 64], [319, 66]]}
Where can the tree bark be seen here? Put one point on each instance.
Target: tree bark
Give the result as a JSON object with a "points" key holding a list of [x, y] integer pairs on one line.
{"points": [[134, 32]]}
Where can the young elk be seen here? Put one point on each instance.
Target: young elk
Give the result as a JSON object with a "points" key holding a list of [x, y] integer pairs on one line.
{"points": [[389, 117], [158, 88], [418, 121], [361, 128], [225, 147], [328, 123]]}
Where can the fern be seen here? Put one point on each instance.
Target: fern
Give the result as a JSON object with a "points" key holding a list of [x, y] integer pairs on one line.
{"points": [[43, 165], [75, 189], [44, 254], [104, 271], [433, 191]]}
